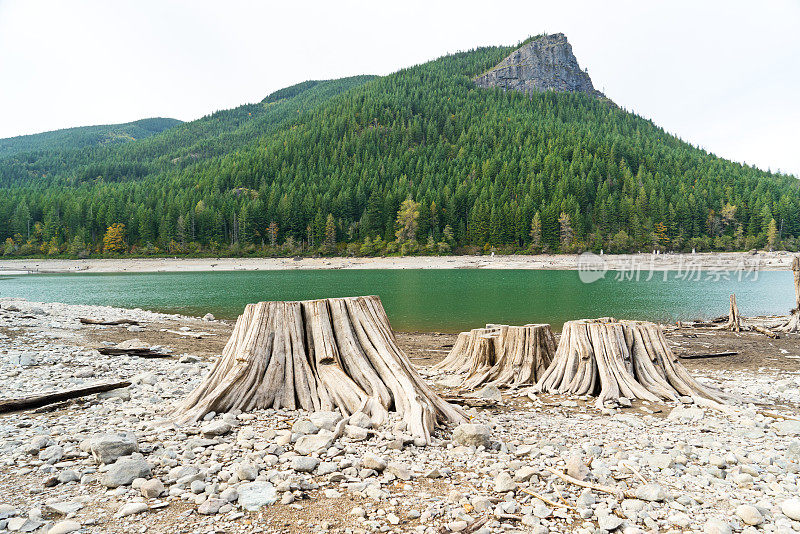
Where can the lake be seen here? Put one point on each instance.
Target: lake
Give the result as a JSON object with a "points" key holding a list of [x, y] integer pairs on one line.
{"points": [[427, 300]]}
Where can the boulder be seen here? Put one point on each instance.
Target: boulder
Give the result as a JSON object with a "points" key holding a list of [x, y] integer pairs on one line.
{"points": [[254, 495], [124, 471], [314, 443], [472, 435], [107, 448]]}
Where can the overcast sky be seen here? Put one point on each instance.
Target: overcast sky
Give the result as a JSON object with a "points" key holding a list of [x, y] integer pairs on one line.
{"points": [[724, 75]]}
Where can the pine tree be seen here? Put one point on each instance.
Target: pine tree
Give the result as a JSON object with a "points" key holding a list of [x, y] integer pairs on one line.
{"points": [[566, 234], [536, 232], [330, 234]]}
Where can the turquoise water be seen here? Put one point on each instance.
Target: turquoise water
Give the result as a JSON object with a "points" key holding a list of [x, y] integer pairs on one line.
{"points": [[424, 300]]}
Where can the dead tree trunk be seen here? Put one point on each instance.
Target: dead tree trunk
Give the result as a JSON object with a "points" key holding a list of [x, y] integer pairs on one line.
{"points": [[734, 323], [793, 324], [613, 359], [501, 355], [329, 354]]}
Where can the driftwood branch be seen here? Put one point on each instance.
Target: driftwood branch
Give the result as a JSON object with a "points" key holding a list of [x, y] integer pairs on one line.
{"points": [[708, 355], [597, 487], [114, 322], [141, 353], [36, 401]]}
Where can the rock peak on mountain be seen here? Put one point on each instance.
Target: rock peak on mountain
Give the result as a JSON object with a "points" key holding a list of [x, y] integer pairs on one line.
{"points": [[545, 63]]}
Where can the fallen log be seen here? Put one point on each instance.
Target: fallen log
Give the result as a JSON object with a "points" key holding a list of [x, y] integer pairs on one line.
{"points": [[708, 355], [36, 401], [141, 353], [107, 322]]}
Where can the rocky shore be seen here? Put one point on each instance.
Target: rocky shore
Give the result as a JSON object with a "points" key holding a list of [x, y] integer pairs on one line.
{"points": [[768, 261], [115, 462]]}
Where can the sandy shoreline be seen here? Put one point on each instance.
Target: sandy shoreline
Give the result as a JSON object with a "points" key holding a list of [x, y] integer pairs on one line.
{"points": [[768, 261]]}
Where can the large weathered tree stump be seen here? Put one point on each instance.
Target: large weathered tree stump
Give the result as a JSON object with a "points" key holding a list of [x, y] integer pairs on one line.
{"points": [[501, 355], [328, 354], [613, 359], [793, 324]]}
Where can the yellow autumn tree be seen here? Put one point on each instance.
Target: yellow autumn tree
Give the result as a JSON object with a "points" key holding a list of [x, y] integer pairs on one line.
{"points": [[114, 240]]}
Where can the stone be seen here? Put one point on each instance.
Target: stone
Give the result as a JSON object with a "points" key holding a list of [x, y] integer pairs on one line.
{"points": [[304, 426], [215, 428], [68, 475], [107, 448], [504, 483], [472, 435], [23, 524], [64, 527], [211, 506], [63, 508], [124, 471], [133, 344], [325, 419], [716, 526], [609, 522], [791, 509], [490, 393], [304, 464], [356, 433], [246, 471], [208, 317], [132, 508], [229, 494], [254, 495], [360, 419], [686, 414], [52, 454], [749, 514], [152, 489], [787, 428], [659, 461], [371, 461], [314, 443], [651, 492], [576, 468], [399, 470]]}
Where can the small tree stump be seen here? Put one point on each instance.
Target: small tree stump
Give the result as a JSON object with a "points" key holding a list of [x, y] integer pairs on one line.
{"points": [[734, 323], [327, 354], [501, 355], [793, 324], [613, 359]]}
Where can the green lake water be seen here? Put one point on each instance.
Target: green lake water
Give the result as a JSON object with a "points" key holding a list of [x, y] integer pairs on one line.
{"points": [[425, 300]]}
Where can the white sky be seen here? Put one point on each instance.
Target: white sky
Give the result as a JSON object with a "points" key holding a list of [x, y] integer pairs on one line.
{"points": [[724, 75]]}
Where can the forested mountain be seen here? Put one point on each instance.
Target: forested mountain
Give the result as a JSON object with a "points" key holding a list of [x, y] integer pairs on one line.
{"points": [[420, 161], [82, 136]]}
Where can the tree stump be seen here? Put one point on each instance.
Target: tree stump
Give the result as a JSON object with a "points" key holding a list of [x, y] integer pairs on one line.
{"points": [[793, 324], [734, 323], [501, 355], [613, 359], [327, 354]]}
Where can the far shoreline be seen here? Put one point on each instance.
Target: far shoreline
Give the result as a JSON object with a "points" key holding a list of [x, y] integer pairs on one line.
{"points": [[730, 261]]}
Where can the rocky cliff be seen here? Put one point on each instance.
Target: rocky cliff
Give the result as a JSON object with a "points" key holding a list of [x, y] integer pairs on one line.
{"points": [[544, 64]]}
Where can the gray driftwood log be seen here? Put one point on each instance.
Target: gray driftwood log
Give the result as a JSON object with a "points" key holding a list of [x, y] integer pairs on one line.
{"points": [[613, 359], [329, 354], [501, 355], [43, 399]]}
